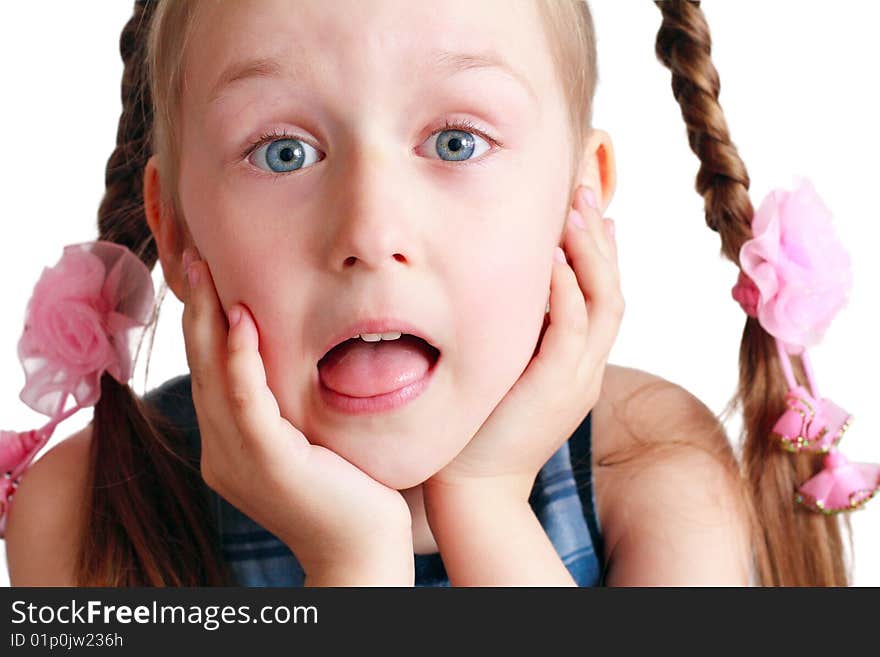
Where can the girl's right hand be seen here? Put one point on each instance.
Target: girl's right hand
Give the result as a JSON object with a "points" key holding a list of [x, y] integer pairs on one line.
{"points": [[332, 515]]}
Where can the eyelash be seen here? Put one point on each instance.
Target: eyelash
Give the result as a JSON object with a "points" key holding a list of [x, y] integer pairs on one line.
{"points": [[463, 125]]}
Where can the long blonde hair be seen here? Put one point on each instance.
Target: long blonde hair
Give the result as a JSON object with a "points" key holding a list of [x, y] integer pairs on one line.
{"points": [[791, 546]]}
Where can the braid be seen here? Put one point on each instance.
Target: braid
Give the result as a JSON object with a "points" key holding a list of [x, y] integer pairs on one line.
{"points": [[121, 216], [149, 522], [793, 547], [684, 46]]}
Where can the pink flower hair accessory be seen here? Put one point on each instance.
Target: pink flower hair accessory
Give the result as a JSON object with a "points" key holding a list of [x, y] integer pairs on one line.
{"points": [[81, 321], [746, 293], [801, 271], [795, 278]]}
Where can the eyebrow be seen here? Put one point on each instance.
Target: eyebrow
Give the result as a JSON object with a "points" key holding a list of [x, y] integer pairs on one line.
{"points": [[448, 63]]}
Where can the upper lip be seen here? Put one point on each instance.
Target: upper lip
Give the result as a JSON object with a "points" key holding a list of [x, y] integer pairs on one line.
{"points": [[378, 325]]}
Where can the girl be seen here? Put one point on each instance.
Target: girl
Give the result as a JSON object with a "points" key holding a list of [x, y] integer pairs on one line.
{"points": [[261, 160]]}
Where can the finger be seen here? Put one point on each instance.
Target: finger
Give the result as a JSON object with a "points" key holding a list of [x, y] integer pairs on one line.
{"points": [[610, 230], [596, 275], [599, 282], [585, 203], [204, 328], [544, 324], [568, 327], [254, 407]]}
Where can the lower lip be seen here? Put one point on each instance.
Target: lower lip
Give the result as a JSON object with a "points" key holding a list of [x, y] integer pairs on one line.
{"points": [[379, 403]]}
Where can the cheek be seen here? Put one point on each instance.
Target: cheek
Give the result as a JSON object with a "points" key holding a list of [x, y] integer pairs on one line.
{"points": [[258, 267], [244, 253], [500, 299]]}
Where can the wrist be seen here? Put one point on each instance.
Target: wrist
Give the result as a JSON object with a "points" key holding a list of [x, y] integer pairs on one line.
{"points": [[371, 573], [490, 536], [489, 490], [479, 503], [385, 562]]}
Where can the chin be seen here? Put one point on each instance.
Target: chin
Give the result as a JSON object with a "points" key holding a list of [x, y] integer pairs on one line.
{"points": [[401, 465], [404, 480], [400, 476]]}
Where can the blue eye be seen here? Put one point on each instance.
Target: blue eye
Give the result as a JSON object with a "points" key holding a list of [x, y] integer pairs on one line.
{"points": [[457, 141], [455, 145], [283, 155]]}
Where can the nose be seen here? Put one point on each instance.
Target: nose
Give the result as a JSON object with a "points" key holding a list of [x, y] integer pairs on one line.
{"points": [[368, 243], [374, 226]]}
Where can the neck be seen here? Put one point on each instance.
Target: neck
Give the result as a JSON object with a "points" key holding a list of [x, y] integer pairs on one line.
{"points": [[423, 539]]}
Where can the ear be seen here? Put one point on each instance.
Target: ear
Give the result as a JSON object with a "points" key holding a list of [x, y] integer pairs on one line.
{"points": [[598, 168], [170, 236]]}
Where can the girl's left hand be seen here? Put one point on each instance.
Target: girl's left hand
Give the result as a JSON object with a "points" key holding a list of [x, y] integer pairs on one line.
{"points": [[562, 382]]}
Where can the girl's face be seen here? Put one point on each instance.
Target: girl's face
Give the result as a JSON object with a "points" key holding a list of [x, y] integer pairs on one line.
{"points": [[380, 213]]}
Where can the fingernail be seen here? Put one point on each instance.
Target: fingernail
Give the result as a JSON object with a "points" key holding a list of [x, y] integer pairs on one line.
{"points": [[559, 255], [577, 219], [609, 227], [234, 316], [589, 197]]}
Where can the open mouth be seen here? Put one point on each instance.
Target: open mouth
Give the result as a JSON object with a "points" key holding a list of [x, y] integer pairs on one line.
{"points": [[358, 376], [405, 339]]}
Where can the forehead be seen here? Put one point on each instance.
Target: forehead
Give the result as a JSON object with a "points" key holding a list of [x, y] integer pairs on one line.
{"points": [[365, 39]]}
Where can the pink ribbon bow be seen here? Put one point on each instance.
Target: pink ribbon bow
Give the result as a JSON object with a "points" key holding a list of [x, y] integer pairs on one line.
{"points": [[840, 485], [794, 279], [82, 319], [814, 424], [810, 424]]}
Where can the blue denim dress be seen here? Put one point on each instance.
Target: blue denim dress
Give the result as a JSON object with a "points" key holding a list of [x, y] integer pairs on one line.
{"points": [[563, 499]]}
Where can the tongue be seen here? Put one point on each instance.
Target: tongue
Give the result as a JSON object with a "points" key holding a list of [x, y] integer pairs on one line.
{"points": [[365, 369]]}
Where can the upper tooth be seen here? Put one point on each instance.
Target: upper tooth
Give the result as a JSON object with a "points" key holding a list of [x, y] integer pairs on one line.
{"points": [[375, 337]]}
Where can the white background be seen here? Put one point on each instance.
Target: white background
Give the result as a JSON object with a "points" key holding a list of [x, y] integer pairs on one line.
{"points": [[800, 96]]}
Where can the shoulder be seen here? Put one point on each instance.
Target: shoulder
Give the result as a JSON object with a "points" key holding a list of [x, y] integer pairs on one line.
{"points": [[668, 485], [635, 406], [45, 515]]}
